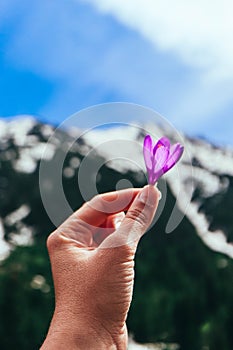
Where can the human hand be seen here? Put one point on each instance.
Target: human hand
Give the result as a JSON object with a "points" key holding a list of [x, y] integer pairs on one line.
{"points": [[92, 259]]}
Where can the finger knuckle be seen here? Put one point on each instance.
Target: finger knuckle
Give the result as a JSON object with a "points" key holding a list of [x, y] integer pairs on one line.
{"points": [[94, 202], [138, 216], [53, 241]]}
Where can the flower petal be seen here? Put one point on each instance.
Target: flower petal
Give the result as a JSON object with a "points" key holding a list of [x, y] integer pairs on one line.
{"points": [[176, 152], [164, 141], [148, 142], [147, 151], [150, 173], [161, 157], [160, 160]]}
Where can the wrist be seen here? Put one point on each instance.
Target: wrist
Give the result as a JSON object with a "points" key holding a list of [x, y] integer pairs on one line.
{"points": [[64, 333]]}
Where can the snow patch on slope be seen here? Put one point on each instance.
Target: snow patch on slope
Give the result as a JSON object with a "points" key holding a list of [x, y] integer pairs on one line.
{"points": [[122, 148]]}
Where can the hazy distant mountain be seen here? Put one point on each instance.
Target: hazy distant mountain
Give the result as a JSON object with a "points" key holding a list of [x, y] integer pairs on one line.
{"points": [[183, 286], [205, 176]]}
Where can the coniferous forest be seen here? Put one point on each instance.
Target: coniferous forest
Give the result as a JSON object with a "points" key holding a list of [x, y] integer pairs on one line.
{"points": [[183, 291]]}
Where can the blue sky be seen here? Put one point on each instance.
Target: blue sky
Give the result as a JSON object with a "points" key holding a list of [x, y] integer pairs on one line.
{"points": [[57, 57]]}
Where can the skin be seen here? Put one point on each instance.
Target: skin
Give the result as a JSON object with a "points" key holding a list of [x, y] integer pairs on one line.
{"points": [[92, 259]]}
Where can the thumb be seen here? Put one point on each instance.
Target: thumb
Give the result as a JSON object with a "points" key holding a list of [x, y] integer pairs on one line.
{"points": [[137, 220]]}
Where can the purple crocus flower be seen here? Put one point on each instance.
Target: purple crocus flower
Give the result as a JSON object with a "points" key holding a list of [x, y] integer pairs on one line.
{"points": [[160, 157]]}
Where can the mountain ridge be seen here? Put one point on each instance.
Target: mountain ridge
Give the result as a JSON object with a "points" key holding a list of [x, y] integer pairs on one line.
{"points": [[204, 174], [183, 288]]}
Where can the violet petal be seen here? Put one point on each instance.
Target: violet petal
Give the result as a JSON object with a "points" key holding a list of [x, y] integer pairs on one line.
{"points": [[160, 160], [150, 176], [164, 141], [147, 151], [161, 157], [176, 152]]}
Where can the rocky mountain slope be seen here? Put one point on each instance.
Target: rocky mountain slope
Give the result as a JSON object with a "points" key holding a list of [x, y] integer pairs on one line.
{"points": [[183, 287], [202, 184]]}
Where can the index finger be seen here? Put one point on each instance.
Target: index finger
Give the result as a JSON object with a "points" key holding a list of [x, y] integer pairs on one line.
{"points": [[96, 211]]}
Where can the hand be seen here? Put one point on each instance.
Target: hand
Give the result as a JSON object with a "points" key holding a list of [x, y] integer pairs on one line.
{"points": [[92, 259]]}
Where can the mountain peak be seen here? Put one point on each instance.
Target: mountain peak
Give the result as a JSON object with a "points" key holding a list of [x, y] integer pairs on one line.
{"points": [[202, 182]]}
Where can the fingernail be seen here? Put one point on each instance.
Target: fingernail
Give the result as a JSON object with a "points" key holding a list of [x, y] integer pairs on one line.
{"points": [[144, 196], [159, 193], [148, 198]]}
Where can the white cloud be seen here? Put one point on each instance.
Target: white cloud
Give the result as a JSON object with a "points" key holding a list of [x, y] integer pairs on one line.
{"points": [[184, 68], [199, 32]]}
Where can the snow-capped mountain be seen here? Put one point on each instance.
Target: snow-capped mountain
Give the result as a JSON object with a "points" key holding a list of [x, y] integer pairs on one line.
{"points": [[202, 183], [183, 285]]}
